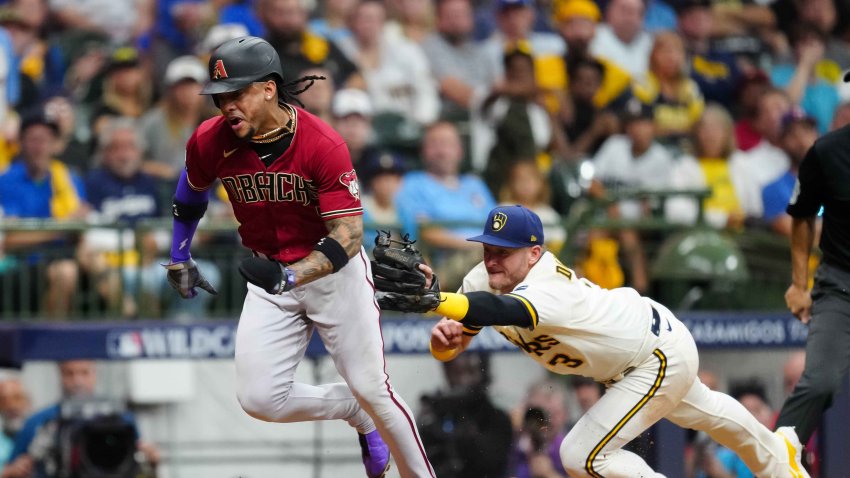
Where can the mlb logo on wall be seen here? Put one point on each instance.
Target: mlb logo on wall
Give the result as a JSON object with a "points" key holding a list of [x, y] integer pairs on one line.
{"points": [[172, 342], [124, 344]]}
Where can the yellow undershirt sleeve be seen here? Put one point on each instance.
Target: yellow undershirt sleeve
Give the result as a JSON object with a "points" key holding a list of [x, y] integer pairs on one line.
{"points": [[453, 306], [444, 356]]}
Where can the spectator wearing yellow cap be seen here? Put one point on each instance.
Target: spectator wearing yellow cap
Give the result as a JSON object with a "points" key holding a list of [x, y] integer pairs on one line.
{"points": [[576, 22]]}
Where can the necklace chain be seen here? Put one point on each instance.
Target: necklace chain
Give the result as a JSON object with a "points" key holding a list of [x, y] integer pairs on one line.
{"points": [[279, 132]]}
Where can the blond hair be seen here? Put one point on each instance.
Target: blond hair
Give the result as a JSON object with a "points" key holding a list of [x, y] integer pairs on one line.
{"points": [[664, 39], [717, 111]]}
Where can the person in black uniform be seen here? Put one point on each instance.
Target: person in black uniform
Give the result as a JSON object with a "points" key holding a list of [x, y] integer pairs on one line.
{"points": [[823, 181]]}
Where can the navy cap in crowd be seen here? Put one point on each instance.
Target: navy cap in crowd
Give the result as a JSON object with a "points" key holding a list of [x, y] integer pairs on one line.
{"points": [[797, 115], [684, 5], [505, 4], [384, 163], [511, 226], [35, 117]]}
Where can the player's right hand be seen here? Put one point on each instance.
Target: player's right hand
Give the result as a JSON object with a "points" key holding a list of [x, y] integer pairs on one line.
{"points": [[799, 302], [446, 335], [185, 276]]}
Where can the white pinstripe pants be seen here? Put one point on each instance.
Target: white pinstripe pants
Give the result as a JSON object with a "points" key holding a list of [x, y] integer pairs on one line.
{"points": [[665, 386]]}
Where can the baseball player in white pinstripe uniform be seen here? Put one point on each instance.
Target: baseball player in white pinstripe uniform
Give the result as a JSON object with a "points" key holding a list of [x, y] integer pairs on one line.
{"points": [[636, 346]]}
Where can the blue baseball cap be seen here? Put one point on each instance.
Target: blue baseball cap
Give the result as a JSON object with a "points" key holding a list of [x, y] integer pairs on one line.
{"points": [[511, 226], [504, 4]]}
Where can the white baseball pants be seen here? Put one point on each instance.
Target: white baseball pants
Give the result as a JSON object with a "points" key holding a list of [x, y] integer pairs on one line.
{"points": [[665, 386]]}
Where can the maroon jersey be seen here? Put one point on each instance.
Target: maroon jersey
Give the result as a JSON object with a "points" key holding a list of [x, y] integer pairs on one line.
{"points": [[281, 208]]}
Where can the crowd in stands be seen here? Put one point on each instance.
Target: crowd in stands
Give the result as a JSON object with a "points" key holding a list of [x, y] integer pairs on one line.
{"points": [[448, 108]]}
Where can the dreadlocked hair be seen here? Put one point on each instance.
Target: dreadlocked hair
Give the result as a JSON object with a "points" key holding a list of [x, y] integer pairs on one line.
{"points": [[287, 92]]}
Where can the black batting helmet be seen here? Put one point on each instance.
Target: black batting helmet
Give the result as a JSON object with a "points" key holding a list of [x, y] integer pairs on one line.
{"points": [[239, 62]]}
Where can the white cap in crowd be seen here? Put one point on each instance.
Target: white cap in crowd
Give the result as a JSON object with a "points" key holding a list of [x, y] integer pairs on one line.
{"points": [[219, 34], [185, 67], [350, 101]]}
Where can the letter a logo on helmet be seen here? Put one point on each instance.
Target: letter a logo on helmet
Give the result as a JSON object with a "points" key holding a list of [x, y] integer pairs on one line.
{"points": [[239, 62], [218, 71]]}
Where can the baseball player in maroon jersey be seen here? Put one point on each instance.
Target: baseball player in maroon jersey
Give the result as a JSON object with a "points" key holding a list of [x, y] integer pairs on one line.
{"points": [[295, 194]]}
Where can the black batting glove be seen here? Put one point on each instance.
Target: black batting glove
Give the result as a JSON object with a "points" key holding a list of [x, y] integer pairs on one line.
{"points": [[185, 276]]}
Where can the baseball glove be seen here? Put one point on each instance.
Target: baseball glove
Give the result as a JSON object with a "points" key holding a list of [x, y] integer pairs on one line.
{"points": [[399, 283]]}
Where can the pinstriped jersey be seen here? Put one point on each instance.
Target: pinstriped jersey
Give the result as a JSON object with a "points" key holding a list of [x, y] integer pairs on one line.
{"points": [[578, 328], [282, 207]]}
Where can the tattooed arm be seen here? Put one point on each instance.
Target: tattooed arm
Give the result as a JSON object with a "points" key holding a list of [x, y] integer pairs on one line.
{"points": [[348, 232]]}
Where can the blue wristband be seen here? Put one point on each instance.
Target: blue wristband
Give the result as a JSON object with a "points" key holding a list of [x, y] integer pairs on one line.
{"points": [[289, 282]]}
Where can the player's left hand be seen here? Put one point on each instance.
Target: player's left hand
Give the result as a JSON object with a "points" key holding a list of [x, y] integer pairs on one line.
{"points": [[185, 276]]}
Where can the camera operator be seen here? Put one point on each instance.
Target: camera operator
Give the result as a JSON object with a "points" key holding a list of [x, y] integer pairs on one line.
{"points": [[541, 421], [464, 434], [42, 430]]}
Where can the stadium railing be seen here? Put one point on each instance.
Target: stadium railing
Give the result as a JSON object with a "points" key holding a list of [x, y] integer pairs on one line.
{"points": [[23, 273]]}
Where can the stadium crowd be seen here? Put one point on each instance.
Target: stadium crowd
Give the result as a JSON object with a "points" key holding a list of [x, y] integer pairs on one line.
{"points": [[448, 108]]}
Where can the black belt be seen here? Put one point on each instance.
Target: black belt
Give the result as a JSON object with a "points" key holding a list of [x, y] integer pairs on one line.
{"points": [[656, 322]]}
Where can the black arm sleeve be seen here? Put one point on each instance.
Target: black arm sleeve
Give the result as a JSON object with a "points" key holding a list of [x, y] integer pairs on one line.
{"points": [[489, 309], [807, 197]]}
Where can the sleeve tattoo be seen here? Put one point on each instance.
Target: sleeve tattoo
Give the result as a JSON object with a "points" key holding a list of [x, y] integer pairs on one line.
{"points": [[348, 231]]}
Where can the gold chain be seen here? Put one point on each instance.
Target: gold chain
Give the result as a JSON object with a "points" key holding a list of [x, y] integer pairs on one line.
{"points": [[280, 132]]}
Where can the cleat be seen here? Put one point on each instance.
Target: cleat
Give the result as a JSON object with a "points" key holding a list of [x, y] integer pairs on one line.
{"points": [[795, 451], [375, 453]]}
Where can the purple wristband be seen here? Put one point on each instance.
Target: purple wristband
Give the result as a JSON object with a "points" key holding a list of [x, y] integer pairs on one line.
{"points": [[184, 231]]}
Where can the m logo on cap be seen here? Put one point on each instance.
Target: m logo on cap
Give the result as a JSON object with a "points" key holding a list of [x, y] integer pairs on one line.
{"points": [[219, 72], [499, 220]]}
